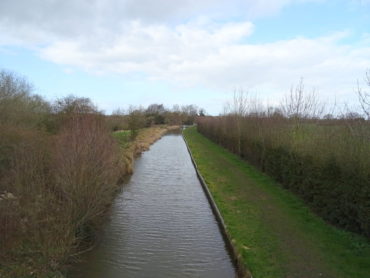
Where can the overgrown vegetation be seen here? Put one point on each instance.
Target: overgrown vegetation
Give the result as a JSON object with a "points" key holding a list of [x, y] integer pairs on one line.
{"points": [[60, 165], [59, 170], [324, 160]]}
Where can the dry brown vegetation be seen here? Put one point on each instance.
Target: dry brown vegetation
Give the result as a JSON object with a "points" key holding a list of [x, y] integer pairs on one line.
{"points": [[60, 168], [54, 192]]}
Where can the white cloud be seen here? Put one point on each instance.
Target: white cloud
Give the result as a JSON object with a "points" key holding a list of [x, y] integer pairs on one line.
{"points": [[39, 21], [149, 48], [173, 41], [219, 56]]}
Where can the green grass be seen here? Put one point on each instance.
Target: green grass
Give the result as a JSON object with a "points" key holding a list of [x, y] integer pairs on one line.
{"points": [[123, 137], [275, 232]]}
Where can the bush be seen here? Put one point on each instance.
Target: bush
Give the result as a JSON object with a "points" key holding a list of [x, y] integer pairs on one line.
{"points": [[54, 190], [87, 167]]}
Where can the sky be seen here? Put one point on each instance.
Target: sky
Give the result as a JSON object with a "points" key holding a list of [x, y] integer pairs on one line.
{"points": [[138, 52]]}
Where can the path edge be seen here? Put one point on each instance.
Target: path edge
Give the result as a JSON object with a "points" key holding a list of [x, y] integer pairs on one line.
{"points": [[241, 269]]}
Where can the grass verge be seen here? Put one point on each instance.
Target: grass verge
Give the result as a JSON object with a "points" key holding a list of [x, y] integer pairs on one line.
{"points": [[275, 233]]}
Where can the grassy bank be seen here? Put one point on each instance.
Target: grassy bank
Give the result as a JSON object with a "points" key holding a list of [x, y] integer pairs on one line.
{"points": [[275, 233]]}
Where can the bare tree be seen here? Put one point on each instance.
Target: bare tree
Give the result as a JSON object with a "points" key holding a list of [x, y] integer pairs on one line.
{"points": [[238, 109], [300, 104], [190, 112], [364, 97], [240, 103]]}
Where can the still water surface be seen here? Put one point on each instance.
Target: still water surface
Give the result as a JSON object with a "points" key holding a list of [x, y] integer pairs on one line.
{"points": [[161, 225]]}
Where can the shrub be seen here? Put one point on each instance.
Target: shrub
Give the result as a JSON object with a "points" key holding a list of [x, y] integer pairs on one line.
{"points": [[53, 191], [87, 167]]}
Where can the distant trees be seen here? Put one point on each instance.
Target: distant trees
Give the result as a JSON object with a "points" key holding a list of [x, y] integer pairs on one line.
{"points": [[190, 112], [175, 116], [155, 114], [155, 109], [202, 112], [116, 121]]}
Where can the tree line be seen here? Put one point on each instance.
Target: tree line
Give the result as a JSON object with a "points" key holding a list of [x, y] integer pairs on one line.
{"points": [[135, 118]]}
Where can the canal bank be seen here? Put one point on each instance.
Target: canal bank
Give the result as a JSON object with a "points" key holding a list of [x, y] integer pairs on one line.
{"points": [[239, 263], [273, 230], [161, 225]]}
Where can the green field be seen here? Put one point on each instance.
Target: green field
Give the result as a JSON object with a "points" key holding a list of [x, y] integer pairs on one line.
{"points": [[276, 234]]}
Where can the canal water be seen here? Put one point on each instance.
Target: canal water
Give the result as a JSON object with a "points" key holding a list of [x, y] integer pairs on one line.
{"points": [[161, 225]]}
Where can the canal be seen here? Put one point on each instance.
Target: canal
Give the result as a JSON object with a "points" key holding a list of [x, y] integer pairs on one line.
{"points": [[161, 224]]}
